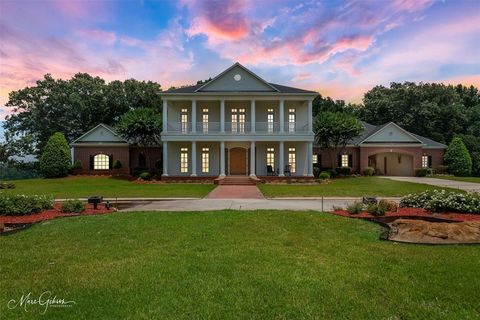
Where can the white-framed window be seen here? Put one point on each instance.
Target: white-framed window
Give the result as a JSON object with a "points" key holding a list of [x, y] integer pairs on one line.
{"points": [[271, 157], [183, 160], [184, 120], [291, 120], [269, 120], [314, 158], [425, 162], [205, 120], [205, 160], [101, 162], [292, 160], [238, 120], [344, 161]]}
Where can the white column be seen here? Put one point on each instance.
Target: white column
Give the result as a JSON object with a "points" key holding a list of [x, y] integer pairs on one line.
{"points": [[165, 159], [252, 115], [310, 119], [252, 159], [281, 161], [164, 116], [222, 116], [282, 120], [310, 160], [194, 116], [222, 159], [194, 159]]}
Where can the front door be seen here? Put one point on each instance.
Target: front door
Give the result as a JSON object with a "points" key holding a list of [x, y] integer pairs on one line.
{"points": [[238, 161]]}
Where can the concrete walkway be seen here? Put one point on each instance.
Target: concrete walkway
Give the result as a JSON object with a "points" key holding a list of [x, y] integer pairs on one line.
{"points": [[461, 185], [235, 192], [241, 204]]}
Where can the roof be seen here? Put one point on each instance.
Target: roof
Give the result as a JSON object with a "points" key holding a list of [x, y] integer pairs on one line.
{"points": [[112, 137], [280, 88]]}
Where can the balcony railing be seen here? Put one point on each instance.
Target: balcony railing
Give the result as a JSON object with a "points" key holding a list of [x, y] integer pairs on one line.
{"points": [[237, 127]]}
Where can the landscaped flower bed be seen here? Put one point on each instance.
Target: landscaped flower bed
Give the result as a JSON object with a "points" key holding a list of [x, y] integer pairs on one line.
{"points": [[443, 201], [20, 204]]}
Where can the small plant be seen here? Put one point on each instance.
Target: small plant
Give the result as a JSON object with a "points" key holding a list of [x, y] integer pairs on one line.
{"points": [[376, 209], [423, 172], [369, 171], [73, 206], [388, 205], [7, 185], [355, 208], [117, 164], [324, 175], [145, 176], [332, 172], [316, 172], [77, 165], [344, 171]]}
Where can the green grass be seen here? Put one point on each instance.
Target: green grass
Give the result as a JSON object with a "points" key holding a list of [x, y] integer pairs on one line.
{"points": [[234, 265], [465, 179], [346, 187], [72, 187]]}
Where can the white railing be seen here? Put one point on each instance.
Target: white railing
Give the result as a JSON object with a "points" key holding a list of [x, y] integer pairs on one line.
{"points": [[237, 127]]}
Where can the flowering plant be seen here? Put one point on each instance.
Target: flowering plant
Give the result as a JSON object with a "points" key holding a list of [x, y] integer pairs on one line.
{"points": [[443, 201]]}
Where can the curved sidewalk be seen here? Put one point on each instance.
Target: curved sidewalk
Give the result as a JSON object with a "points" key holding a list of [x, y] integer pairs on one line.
{"points": [[461, 185]]}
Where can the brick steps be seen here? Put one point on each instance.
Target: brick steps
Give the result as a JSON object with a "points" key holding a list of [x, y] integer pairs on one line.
{"points": [[237, 181]]}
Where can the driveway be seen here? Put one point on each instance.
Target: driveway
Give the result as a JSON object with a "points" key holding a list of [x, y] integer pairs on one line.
{"points": [[461, 185]]}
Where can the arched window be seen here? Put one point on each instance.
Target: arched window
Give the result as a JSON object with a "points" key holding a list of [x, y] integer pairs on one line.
{"points": [[101, 162]]}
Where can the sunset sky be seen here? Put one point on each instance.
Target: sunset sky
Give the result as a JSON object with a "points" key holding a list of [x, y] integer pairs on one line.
{"points": [[339, 48]]}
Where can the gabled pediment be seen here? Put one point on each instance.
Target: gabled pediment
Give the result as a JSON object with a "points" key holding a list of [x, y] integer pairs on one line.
{"points": [[101, 133], [391, 133], [237, 78]]}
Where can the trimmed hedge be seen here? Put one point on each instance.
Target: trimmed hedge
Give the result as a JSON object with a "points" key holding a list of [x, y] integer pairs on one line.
{"points": [[73, 206], [423, 172], [343, 171], [20, 204], [55, 159]]}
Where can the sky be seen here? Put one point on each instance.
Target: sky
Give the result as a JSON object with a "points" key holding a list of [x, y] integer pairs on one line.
{"points": [[338, 48]]}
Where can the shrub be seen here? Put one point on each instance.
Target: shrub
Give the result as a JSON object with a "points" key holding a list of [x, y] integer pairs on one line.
{"points": [[458, 159], [324, 175], [116, 164], [388, 205], [332, 172], [139, 170], [440, 169], [20, 204], [145, 176], [77, 165], [7, 185], [16, 172], [423, 172], [369, 171], [443, 201], [316, 172], [55, 158], [73, 206], [376, 209], [344, 171], [355, 208]]}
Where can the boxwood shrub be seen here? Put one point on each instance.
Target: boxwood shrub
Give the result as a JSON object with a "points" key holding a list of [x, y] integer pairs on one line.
{"points": [[73, 206], [20, 204]]}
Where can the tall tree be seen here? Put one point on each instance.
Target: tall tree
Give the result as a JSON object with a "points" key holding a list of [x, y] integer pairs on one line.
{"points": [[458, 159], [334, 130]]}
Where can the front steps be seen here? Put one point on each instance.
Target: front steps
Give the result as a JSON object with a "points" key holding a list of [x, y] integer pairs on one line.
{"points": [[236, 181]]}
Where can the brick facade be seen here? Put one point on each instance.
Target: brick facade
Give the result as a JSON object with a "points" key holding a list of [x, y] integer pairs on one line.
{"points": [[83, 154]]}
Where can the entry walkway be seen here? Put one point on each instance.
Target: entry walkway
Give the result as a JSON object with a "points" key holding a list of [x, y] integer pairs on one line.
{"points": [[461, 185], [235, 192]]}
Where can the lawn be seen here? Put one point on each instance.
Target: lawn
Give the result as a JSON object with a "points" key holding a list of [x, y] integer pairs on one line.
{"points": [[465, 179], [346, 187], [234, 265], [72, 187]]}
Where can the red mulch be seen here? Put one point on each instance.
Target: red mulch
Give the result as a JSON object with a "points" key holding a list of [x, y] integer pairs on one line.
{"points": [[414, 212], [52, 214]]}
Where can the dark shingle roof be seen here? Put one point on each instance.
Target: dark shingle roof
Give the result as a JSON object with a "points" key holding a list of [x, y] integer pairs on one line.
{"points": [[280, 88]]}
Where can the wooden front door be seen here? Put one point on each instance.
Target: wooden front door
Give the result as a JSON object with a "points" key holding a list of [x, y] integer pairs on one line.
{"points": [[238, 161]]}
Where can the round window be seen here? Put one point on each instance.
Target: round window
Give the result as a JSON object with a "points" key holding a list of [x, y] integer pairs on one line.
{"points": [[237, 77]]}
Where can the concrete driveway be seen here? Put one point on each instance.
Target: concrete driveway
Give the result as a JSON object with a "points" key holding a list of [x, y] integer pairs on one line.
{"points": [[461, 185]]}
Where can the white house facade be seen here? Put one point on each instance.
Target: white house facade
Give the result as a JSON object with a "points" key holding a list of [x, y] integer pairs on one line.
{"points": [[237, 124]]}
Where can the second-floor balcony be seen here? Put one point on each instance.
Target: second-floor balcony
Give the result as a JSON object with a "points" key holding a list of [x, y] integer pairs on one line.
{"points": [[237, 128]]}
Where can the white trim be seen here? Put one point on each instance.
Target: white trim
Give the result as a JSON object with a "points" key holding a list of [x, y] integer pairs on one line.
{"points": [[236, 64], [390, 145], [101, 144], [94, 128], [385, 126]]}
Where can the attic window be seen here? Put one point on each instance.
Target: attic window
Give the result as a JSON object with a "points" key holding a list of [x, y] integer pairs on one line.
{"points": [[237, 77]]}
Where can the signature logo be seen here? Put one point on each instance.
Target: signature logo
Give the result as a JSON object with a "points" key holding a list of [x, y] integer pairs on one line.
{"points": [[45, 300]]}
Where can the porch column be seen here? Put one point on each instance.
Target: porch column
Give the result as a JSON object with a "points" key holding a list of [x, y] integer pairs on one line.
{"points": [[310, 117], [310, 159], [194, 116], [252, 159], [194, 159], [164, 116], [222, 116], [222, 159], [165, 159], [282, 120], [252, 115], [281, 161]]}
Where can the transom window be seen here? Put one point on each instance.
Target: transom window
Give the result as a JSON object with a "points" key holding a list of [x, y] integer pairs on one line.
{"points": [[184, 120], [205, 120], [183, 160], [425, 162], [101, 162], [344, 161], [205, 160], [292, 162], [291, 120], [271, 157], [270, 120]]}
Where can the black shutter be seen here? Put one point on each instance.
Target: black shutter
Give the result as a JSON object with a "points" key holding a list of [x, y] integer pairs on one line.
{"points": [[319, 160], [429, 161], [339, 160], [350, 160], [110, 162], [91, 162]]}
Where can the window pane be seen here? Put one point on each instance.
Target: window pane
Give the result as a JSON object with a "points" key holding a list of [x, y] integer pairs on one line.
{"points": [[271, 157], [183, 160], [292, 160], [205, 160], [101, 162], [344, 160]]}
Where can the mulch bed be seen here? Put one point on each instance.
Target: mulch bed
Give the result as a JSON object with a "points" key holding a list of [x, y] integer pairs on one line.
{"points": [[52, 214], [413, 213]]}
